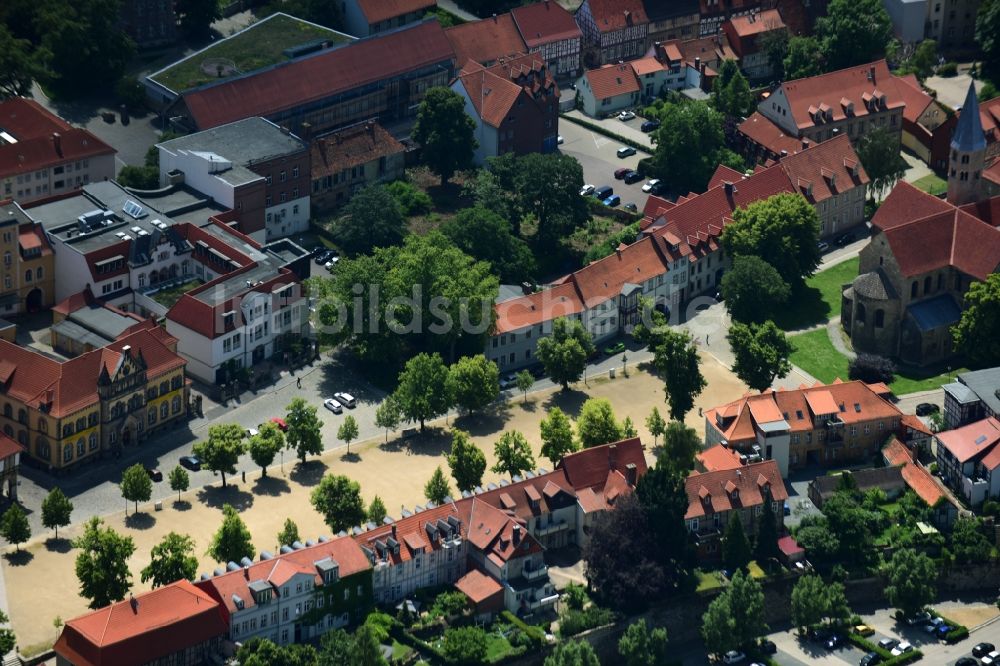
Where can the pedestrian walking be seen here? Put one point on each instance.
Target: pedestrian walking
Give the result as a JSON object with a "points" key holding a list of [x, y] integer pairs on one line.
{"points": [[298, 382]]}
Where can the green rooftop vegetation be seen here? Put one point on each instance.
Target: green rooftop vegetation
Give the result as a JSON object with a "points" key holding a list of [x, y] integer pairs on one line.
{"points": [[170, 295], [261, 45]]}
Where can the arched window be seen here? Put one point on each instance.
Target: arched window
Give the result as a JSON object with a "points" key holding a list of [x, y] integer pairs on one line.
{"points": [[152, 415], [42, 448], [142, 279], [940, 281], [27, 275], [7, 410], [67, 453], [862, 314], [22, 416], [879, 318], [7, 430], [43, 425], [93, 441], [22, 438], [177, 404], [38, 273], [164, 387], [81, 424], [913, 289], [927, 285], [81, 447], [164, 410]]}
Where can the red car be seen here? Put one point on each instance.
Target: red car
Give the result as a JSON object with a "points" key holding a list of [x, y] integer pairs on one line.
{"points": [[620, 173], [280, 422]]}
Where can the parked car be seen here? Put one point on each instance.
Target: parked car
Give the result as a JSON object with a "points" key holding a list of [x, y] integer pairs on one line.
{"points": [[620, 173], [632, 177], [967, 661], [888, 644], [786, 509], [768, 647], [632, 207], [154, 474], [933, 624], [923, 617], [332, 263], [612, 201], [192, 463], [820, 634], [982, 649], [733, 657], [333, 405], [603, 192], [902, 648], [846, 239], [870, 659], [834, 642], [649, 125], [510, 381], [659, 189], [616, 348], [927, 408], [990, 659], [346, 399], [587, 190], [823, 247], [250, 432], [626, 115], [323, 256], [626, 151], [650, 184], [863, 630], [941, 631], [280, 422]]}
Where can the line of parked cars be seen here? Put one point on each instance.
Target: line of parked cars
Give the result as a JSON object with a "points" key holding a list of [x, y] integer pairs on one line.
{"points": [[647, 125], [337, 403]]}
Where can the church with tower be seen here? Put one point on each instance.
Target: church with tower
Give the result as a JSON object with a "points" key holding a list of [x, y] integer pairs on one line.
{"points": [[925, 252]]}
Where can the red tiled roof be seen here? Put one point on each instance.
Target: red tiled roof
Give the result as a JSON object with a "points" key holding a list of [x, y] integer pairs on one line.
{"points": [[612, 15], [611, 80], [376, 11], [155, 625], [33, 126], [757, 22], [351, 147], [497, 535], [479, 587], [762, 131], [707, 49], [745, 480], [485, 41], [789, 546], [321, 76], [647, 65], [913, 94], [724, 174], [832, 167], [718, 458], [559, 301], [605, 278], [545, 22], [492, 96], [953, 238], [922, 483], [282, 568], [914, 423], [9, 447], [974, 439], [906, 203], [589, 468], [896, 453], [851, 84]]}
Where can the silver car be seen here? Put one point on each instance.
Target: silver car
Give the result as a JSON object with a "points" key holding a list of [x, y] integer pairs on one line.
{"points": [[346, 399], [333, 405]]}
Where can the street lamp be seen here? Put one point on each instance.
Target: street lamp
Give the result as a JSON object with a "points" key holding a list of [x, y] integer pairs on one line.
{"points": [[624, 369]]}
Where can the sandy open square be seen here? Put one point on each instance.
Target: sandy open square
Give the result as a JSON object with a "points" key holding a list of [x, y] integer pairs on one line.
{"points": [[42, 585]]}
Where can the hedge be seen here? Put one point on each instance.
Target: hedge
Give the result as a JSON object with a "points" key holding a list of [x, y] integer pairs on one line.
{"points": [[533, 632], [887, 658], [594, 127], [958, 631]]}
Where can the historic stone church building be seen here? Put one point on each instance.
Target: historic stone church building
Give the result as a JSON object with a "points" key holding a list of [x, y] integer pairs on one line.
{"points": [[923, 255]]}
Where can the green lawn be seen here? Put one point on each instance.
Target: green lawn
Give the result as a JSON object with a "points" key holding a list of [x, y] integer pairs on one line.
{"points": [[400, 652], [819, 299], [259, 46], [932, 184], [708, 580], [497, 647], [167, 297]]}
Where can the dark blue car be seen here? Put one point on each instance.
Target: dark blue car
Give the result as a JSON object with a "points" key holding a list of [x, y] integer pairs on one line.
{"points": [[613, 200]]}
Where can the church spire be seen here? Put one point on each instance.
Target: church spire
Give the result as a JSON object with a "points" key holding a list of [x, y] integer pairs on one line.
{"points": [[968, 154], [968, 136]]}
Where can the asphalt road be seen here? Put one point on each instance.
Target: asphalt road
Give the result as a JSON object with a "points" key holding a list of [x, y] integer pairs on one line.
{"points": [[596, 154]]}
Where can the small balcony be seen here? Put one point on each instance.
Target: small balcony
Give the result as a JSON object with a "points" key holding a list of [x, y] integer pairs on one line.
{"points": [[535, 572]]}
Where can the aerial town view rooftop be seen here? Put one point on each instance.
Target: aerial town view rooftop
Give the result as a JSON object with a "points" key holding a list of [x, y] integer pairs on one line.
{"points": [[639, 332]]}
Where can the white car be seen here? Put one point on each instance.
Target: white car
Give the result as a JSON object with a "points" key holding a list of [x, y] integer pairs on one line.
{"points": [[991, 658], [333, 405], [330, 264], [650, 184], [626, 115], [901, 649], [510, 381], [250, 432], [346, 399], [559, 139], [733, 657], [587, 190]]}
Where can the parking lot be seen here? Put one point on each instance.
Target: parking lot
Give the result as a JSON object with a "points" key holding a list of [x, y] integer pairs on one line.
{"points": [[596, 154]]}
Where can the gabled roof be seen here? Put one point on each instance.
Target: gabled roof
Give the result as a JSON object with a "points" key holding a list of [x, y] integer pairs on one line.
{"points": [[589, 468], [749, 27], [318, 77], [832, 167], [485, 41], [975, 440], [605, 278], [718, 458], [376, 11], [478, 586], [561, 300], [914, 475], [9, 446], [361, 144], [493, 97], [610, 15], [762, 131], [544, 22], [611, 80], [712, 492], [138, 631], [497, 535]]}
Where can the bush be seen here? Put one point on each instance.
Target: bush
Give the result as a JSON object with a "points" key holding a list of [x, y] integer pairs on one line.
{"points": [[871, 369], [575, 622], [139, 178], [412, 200], [948, 69], [887, 658], [536, 634]]}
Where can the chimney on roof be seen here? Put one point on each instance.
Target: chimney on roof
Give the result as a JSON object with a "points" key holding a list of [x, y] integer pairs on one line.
{"points": [[126, 350], [246, 572], [494, 17], [306, 131], [134, 603], [517, 534], [871, 73], [57, 142], [393, 529], [612, 455], [630, 474], [628, 17], [805, 143], [784, 153], [729, 188], [697, 63]]}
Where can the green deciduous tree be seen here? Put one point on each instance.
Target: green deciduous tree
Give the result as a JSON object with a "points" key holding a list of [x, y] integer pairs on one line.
{"points": [[753, 290], [14, 526], [102, 564], [765, 544], [854, 32], [680, 446], [388, 414], [56, 510], [988, 37], [179, 480], [136, 485], [513, 454], [736, 553], [761, 352], [303, 432], [474, 382], [437, 489], [464, 645], [366, 648], [338, 500], [718, 627], [968, 542], [977, 334], [676, 359], [466, 461], [546, 187], [735, 618], [196, 16], [596, 424], [372, 218], [774, 43], [911, 580], [7, 639], [655, 424], [17, 67], [423, 391], [445, 132], [557, 436], [731, 92], [486, 235], [804, 58], [524, 380], [348, 431], [808, 602], [223, 448], [267, 443], [628, 429], [694, 130], [231, 543], [289, 533], [639, 646], [564, 353], [376, 510], [663, 498], [171, 560], [573, 653], [879, 155], [783, 230]]}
